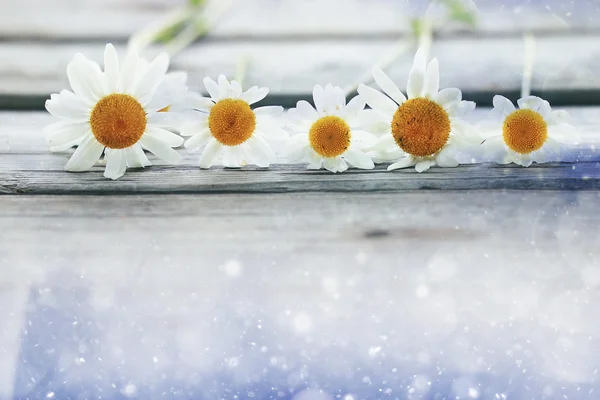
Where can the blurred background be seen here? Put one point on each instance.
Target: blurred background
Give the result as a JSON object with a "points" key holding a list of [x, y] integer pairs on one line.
{"points": [[289, 45]]}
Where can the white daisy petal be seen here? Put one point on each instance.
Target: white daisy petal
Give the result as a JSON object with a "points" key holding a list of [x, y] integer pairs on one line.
{"points": [[342, 165], [63, 135], [424, 165], [564, 134], [225, 90], [194, 143], [306, 111], [198, 102], [211, 152], [116, 164], [461, 109], [388, 86], [355, 105], [336, 164], [236, 89], [212, 88], [329, 106], [335, 98], [416, 77], [162, 119], [254, 95], [86, 79], [86, 155], [339, 97], [524, 160], [446, 158], [135, 157], [448, 97], [536, 104], [359, 159], [176, 78], [315, 162], [129, 71], [68, 106], [541, 156], [554, 149], [234, 157], [265, 122], [192, 123], [296, 148], [385, 143], [169, 138], [269, 110], [160, 149], [405, 162], [432, 79], [464, 132], [319, 98], [271, 133], [363, 140], [558, 117], [502, 107], [377, 100], [259, 152], [149, 81], [494, 148], [171, 92], [111, 68], [254, 156]]}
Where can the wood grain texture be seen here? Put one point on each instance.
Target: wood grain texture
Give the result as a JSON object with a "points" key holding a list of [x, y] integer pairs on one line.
{"points": [[281, 178], [460, 275], [117, 19], [293, 67], [26, 167]]}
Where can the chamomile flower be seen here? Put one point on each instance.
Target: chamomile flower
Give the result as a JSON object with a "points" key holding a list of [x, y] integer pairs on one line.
{"points": [[227, 126], [173, 92], [424, 130], [329, 135], [114, 112], [532, 133]]}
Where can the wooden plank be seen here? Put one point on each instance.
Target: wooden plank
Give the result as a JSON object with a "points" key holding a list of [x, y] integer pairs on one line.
{"points": [[85, 19], [26, 167], [118, 19], [153, 293], [50, 179], [292, 68]]}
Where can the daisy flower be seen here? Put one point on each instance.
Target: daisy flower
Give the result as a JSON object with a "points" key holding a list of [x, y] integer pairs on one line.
{"points": [[424, 130], [533, 133], [173, 91], [329, 134], [227, 126], [114, 112]]}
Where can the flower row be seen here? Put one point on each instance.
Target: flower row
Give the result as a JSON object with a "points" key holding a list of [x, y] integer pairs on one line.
{"points": [[132, 106]]}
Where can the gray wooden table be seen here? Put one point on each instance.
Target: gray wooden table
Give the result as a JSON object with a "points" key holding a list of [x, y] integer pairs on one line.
{"points": [[475, 282]]}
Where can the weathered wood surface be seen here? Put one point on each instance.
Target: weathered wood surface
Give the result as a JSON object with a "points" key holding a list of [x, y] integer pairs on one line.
{"points": [[117, 19], [118, 281], [26, 166], [293, 67]]}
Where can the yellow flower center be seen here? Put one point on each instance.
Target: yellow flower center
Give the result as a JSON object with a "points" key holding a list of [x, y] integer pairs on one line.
{"points": [[525, 131], [421, 127], [329, 136], [118, 121], [232, 122]]}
